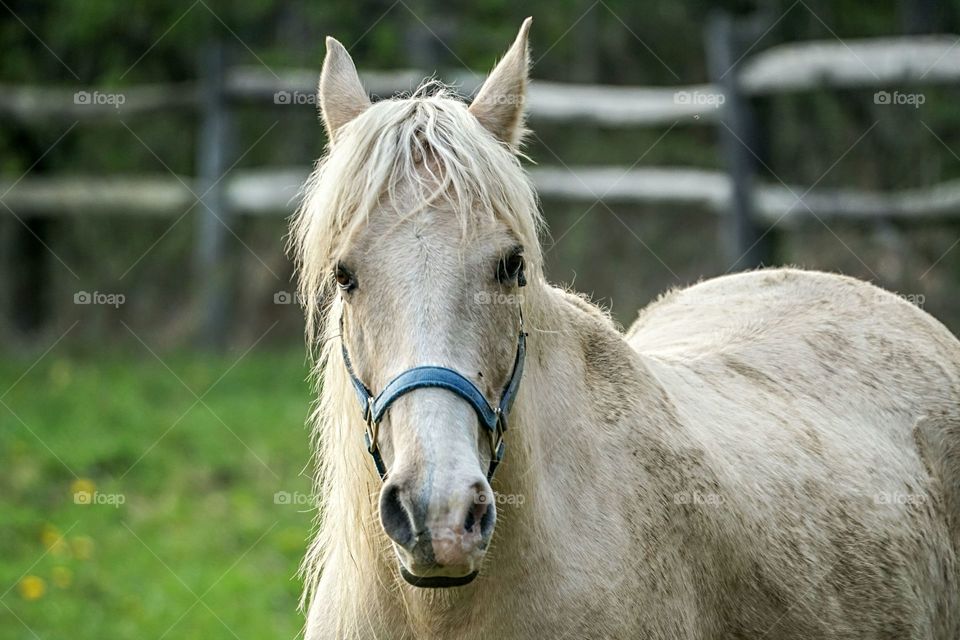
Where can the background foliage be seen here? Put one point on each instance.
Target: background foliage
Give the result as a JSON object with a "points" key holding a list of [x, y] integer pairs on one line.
{"points": [[90, 396]]}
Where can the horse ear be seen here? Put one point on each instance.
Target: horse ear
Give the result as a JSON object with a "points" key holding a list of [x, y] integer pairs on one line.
{"points": [[341, 95], [499, 103]]}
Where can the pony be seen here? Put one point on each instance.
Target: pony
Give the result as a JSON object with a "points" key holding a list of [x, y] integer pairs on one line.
{"points": [[770, 454]]}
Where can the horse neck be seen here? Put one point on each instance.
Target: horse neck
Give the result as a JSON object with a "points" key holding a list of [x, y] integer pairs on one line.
{"points": [[583, 395], [578, 371]]}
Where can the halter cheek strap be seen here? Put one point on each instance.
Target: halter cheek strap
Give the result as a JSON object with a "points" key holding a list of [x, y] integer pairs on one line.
{"points": [[492, 418]]}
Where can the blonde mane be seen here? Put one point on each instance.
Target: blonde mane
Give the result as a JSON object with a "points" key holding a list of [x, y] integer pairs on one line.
{"points": [[400, 155]]}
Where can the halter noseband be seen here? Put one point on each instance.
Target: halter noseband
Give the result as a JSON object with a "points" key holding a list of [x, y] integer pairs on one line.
{"points": [[492, 418]]}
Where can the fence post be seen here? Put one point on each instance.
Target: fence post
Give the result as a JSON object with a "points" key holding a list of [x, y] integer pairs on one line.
{"points": [[211, 268], [740, 139], [6, 273], [29, 288]]}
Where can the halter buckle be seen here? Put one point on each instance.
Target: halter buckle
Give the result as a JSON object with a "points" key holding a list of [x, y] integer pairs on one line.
{"points": [[496, 434], [373, 427]]}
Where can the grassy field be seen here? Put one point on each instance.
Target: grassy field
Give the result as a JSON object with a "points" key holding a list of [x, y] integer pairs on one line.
{"points": [[131, 509]]}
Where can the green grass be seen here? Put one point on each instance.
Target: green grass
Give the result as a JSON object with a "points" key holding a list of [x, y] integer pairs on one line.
{"points": [[200, 547]]}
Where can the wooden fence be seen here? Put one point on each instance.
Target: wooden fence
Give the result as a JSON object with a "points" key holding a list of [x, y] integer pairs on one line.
{"points": [[738, 75]]}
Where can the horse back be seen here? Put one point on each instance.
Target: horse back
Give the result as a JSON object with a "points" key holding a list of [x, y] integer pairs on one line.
{"points": [[828, 408]]}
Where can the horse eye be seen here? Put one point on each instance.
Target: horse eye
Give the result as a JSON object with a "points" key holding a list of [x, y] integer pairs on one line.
{"points": [[344, 278], [510, 268]]}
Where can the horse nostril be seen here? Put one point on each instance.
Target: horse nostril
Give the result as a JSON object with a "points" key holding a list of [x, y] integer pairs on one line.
{"points": [[394, 517], [478, 513], [481, 511], [487, 521]]}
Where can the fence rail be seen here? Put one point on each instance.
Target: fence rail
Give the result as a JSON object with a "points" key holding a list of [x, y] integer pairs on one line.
{"points": [[852, 64], [274, 192], [738, 75], [546, 101]]}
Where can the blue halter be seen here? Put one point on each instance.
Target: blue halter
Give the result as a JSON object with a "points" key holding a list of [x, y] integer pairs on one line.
{"points": [[492, 418]]}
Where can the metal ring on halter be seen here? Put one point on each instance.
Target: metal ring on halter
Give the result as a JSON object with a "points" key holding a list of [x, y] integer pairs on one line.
{"points": [[496, 436], [373, 427]]}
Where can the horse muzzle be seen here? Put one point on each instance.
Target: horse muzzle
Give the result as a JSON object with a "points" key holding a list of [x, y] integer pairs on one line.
{"points": [[440, 542]]}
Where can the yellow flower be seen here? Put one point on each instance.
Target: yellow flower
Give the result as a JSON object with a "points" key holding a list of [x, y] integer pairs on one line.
{"points": [[53, 540], [82, 547], [32, 587], [83, 490], [49, 535], [62, 577]]}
